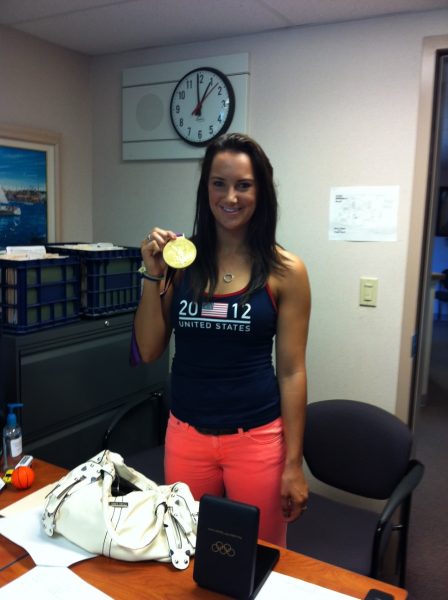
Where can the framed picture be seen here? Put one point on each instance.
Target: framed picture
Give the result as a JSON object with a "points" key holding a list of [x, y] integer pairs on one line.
{"points": [[442, 213], [29, 187]]}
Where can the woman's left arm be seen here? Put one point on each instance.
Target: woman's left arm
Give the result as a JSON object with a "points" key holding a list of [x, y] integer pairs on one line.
{"points": [[294, 304]]}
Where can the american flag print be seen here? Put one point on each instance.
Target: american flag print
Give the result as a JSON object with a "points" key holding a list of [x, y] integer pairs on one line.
{"points": [[217, 310]]}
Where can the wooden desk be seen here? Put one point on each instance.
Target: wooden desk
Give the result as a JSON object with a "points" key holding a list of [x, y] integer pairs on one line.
{"points": [[10, 553], [160, 581]]}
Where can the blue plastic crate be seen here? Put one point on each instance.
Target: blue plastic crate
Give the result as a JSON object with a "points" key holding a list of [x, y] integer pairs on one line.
{"points": [[36, 294], [110, 283]]}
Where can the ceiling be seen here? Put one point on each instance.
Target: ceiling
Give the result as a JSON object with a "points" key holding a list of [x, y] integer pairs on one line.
{"points": [[96, 27]]}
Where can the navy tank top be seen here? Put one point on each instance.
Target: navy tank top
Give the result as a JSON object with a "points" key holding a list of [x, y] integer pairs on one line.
{"points": [[222, 372]]}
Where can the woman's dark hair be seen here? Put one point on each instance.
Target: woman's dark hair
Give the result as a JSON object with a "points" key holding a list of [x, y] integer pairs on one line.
{"points": [[261, 233]]}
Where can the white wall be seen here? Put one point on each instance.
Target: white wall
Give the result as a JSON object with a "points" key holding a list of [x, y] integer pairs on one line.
{"points": [[332, 105], [44, 87]]}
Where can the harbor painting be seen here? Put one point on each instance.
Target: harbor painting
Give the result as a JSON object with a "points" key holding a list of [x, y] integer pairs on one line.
{"points": [[23, 195]]}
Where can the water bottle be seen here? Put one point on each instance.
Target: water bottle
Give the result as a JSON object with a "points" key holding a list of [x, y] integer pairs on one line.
{"points": [[12, 439]]}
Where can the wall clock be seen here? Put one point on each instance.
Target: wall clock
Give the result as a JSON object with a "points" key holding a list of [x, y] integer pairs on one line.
{"points": [[202, 105], [148, 132]]}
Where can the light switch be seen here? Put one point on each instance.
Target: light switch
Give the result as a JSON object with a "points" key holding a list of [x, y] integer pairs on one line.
{"points": [[368, 291]]}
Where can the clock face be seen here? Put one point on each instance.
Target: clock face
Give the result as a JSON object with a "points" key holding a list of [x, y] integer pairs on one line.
{"points": [[202, 106]]}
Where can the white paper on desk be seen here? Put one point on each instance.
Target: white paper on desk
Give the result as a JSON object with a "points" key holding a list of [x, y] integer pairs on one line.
{"points": [[26, 530], [31, 501], [282, 586], [51, 583]]}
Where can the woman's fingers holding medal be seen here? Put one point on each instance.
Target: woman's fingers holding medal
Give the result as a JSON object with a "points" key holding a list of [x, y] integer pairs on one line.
{"points": [[156, 240], [168, 248], [152, 247]]}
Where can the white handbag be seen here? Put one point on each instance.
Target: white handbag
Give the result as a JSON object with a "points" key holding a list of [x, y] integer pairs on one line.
{"points": [[108, 508]]}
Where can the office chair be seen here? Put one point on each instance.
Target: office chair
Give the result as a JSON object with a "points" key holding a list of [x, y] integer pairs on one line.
{"points": [[137, 432], [364, 450], [441, 294]]}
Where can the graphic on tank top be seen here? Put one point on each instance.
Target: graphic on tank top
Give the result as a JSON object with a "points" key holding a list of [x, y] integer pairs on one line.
{"points": [[215, 315]]}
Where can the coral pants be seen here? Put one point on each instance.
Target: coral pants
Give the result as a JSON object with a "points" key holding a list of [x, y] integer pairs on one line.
{"points": [[245, 466]]}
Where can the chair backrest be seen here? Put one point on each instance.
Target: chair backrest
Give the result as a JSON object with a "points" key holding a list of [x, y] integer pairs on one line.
{"points": [[356, 447], [139, 424]]}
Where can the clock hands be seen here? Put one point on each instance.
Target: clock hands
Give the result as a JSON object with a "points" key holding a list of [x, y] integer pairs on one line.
{"points": [[208, 93], [198, 108], [198, 105]]}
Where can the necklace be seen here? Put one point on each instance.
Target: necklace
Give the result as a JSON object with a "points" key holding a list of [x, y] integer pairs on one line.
{"points": [[228, 277]]}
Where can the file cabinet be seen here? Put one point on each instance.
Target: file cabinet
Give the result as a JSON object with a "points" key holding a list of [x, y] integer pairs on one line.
{"points": [[71, 380]]}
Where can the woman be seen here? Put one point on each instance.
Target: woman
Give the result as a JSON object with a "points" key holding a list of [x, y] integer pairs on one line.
{"points": [[236, 425]]}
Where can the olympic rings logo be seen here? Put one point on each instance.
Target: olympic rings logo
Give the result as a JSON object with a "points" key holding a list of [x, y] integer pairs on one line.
{"points": [[223, 549]]}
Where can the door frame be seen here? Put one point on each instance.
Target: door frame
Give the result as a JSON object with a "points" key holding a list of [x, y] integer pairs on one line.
{"points": [[421, 228]]}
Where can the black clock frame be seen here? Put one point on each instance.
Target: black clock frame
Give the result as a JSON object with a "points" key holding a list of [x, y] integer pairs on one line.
{"points": [[230, 113]]}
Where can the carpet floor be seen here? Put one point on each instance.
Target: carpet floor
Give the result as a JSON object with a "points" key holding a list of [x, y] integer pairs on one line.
{"points": [[427, 566]]}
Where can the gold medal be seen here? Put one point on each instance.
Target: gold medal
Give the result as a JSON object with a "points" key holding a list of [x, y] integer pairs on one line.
{"points": [[179, 253]]}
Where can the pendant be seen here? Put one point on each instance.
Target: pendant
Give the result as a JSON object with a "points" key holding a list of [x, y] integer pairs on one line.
{"points": [[228, 277]]}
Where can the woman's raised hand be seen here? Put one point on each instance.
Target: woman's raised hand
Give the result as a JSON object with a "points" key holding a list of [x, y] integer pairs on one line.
{"points": [[152, 247]]}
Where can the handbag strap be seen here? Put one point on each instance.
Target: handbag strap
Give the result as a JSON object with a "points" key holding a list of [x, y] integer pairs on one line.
{"points": [[184, 509], [82, 476], [159, 511], [179, 545], [180, 524]]}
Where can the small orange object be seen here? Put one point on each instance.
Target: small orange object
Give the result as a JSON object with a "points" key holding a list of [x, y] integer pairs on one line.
{"points": [[22, 478]]}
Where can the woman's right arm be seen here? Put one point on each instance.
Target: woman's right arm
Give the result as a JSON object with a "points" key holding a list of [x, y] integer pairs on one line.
{"points": [[152, 326]]}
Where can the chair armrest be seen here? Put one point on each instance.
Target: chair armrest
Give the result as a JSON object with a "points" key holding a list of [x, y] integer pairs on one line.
{"points": [[402, 491], [120, 414]]}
